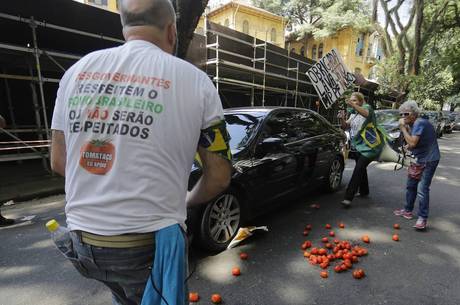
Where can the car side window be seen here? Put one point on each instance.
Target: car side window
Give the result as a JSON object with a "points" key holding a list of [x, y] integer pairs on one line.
{"points": [[308, 124], [294, 125], [277, 126]]}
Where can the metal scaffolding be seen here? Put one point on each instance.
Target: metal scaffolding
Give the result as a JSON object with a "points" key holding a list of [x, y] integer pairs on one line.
{"points": [[240, 63], [33, 67]]}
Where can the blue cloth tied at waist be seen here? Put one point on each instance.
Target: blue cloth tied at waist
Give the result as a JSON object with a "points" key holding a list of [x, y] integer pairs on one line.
{"points": [[169, 269]]}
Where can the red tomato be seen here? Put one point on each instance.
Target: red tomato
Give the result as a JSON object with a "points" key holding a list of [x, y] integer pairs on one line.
{"points": [[324, 265], [354, 259], [366, 239], [331, 257], [341, 225], [314, 251], [358, 273], [328, 226], [322, 251], [244, 256], [216, 299], [306, 254], [343, 267], [329, 246], [308, 243], [332, 233], [324, 274], [396, 226], [308, 227], [336, 241], [396, 237], [193, 297], [236, 271], [348, 263], [305, 232], [325, 240], [337, 268]]}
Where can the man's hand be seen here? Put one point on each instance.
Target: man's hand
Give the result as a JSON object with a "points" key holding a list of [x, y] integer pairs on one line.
{"points": [[216, 177], [402, 122], [58, 152]]}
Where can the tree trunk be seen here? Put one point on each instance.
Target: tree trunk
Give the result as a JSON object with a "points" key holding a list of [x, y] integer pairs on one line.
{"points": [[188, 14], [375, 4], [418, 47]]}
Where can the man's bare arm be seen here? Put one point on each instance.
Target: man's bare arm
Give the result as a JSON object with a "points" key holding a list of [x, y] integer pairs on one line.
{"points": [[58, 152], [216, 177]]}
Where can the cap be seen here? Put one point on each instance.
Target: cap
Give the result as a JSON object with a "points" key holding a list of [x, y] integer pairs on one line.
{"points": [[52, 225]]}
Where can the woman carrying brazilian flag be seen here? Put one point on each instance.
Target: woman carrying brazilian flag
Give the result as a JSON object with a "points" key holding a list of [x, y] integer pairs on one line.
{"points": [[366, 145]]}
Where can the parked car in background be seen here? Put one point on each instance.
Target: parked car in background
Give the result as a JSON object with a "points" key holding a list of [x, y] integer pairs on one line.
{"points": [[449, 118], [437, 120], [456, 121], [276, 152], [389, 120]]}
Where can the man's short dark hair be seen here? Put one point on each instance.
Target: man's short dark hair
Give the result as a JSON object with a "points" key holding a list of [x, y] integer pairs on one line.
{"points": [[157, 13]]}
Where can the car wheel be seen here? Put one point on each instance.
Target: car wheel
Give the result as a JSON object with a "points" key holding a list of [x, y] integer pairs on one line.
{"points": [[334, 178], [220, 222]]}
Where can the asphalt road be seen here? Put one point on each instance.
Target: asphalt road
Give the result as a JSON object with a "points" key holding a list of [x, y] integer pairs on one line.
{"points": [[421, 269]]}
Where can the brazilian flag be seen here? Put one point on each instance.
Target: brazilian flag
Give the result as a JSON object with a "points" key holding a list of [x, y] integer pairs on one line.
{"points": [[371, 138]]}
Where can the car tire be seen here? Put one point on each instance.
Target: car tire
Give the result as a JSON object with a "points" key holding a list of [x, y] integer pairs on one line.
{"points": [[333, 180], [220, 221]]}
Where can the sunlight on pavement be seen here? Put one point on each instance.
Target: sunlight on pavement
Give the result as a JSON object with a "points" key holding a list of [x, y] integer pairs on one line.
{"points": [[448, 226], [42, 244], [375, 235], [16, 270], [218, 268], [451, 251], [431, 259], [292, 294]]}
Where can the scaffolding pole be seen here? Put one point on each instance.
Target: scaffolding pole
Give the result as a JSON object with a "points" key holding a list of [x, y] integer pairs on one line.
{"points": [[33, 26]]}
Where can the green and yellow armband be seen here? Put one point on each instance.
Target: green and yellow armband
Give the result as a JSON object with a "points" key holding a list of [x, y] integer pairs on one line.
{"points": [[216, 139]]}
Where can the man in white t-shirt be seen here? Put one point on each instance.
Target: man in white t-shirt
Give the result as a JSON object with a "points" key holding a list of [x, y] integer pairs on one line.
{"points": [[126, 127]]}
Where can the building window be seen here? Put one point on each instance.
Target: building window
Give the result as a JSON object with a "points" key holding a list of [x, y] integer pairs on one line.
{"points": [[302, 51], [227, 22], [360, 45], [98, 2], [246, 27], [313, 52], [320, 50], [273, 35]]}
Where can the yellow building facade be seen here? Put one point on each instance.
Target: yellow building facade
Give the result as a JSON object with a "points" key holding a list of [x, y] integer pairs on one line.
{"points": [[248, 19], [110, 5], [360, 50]]}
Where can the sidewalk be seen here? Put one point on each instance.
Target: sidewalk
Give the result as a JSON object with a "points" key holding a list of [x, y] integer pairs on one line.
{"points": [[27, 180]]}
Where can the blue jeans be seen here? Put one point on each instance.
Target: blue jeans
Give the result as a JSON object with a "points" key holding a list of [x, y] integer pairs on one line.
{"points": [[422, 189], [124, 271]]}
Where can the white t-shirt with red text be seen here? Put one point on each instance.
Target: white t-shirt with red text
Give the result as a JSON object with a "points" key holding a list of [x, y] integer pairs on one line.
{"points": [[131, 117]]}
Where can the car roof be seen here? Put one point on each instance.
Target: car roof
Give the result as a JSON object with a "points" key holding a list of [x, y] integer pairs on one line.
{"points": [[265, 110]]}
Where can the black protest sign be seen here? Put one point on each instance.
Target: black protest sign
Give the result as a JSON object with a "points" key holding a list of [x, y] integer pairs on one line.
{"points": [[330, 77]]}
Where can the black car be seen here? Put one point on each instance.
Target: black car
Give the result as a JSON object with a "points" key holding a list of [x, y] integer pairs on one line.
{"points": [[276, 151], [436, 119], [449, 118]]}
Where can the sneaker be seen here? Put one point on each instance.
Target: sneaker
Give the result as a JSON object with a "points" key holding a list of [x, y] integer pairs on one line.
{"points": [[346, 203], [420, 224], [403, 213]]}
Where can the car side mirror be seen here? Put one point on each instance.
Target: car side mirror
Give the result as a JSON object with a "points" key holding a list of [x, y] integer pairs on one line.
{"points": [[270, 145]]}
